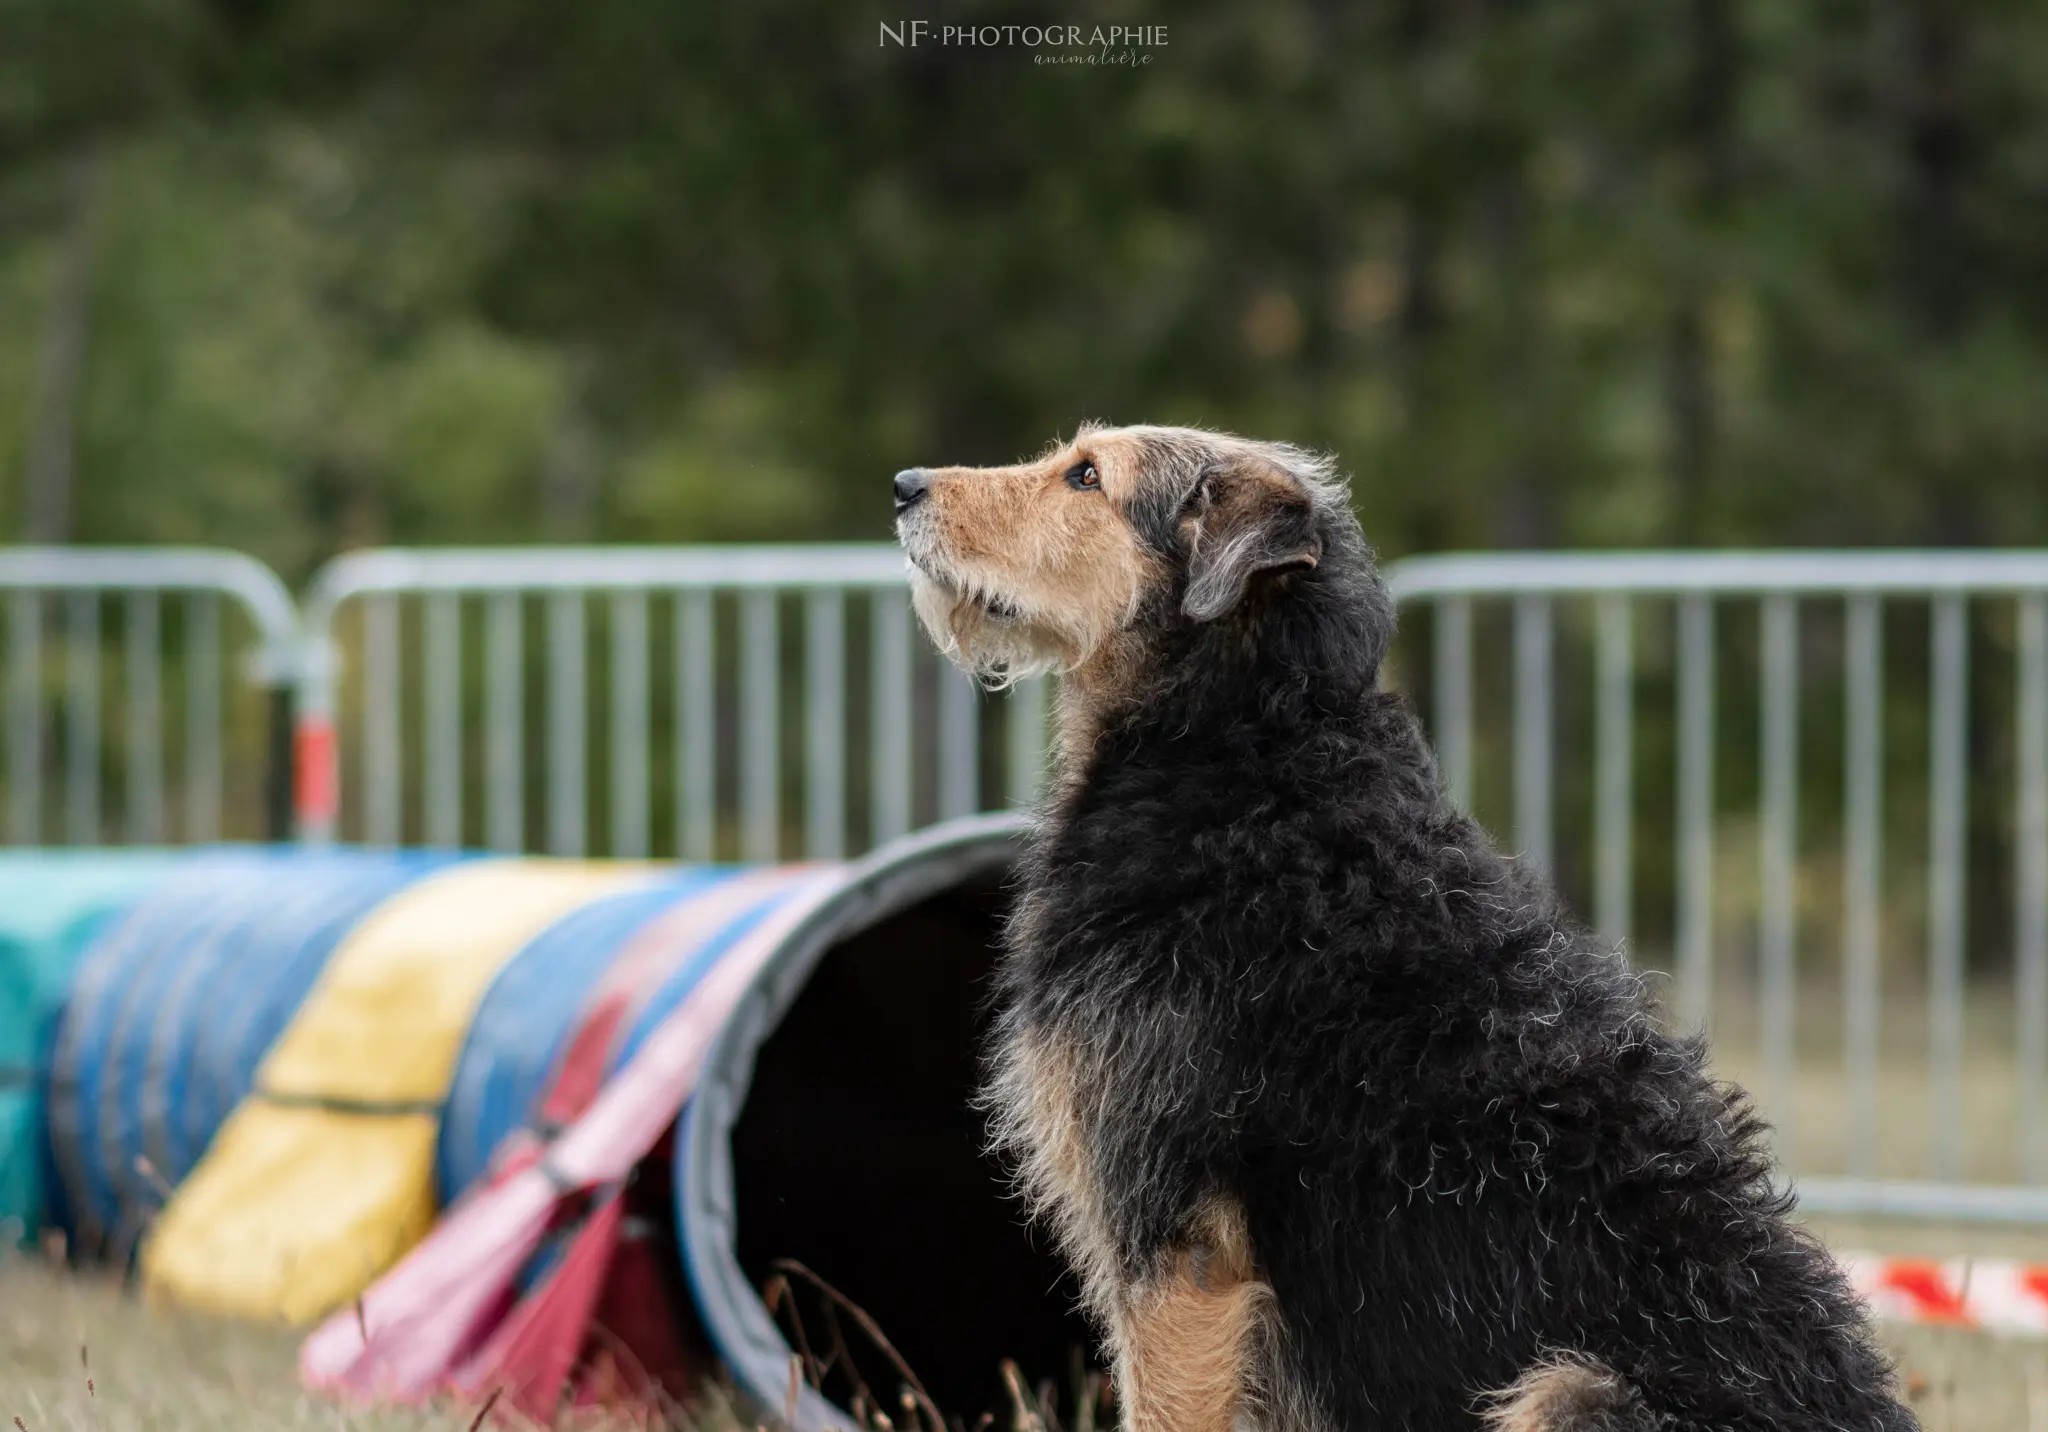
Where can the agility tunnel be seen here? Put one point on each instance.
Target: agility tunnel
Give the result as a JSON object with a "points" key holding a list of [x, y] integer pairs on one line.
{"points": [[628, 1091], [557, 1219], [823, 1033]]}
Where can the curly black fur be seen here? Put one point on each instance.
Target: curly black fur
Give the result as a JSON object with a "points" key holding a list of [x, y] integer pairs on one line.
{"points": [[1460, 1138]]}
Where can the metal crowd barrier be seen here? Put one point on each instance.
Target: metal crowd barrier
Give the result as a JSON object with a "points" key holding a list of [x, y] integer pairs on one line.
{"points": [[1816, 613], [216, 627], [712, 741], [775, 702]]}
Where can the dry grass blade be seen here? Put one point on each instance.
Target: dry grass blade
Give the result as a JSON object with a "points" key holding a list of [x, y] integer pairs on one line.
{"points": [[485, 1410], [874, 1331], [840, 1356], [1087, 1396], [160, 1185], [635, 1383], [774, 1295], [1023, 1412], [362, 1321]]}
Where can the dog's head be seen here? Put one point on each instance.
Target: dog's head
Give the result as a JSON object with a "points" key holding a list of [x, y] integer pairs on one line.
{"points": [[1117, 548]]}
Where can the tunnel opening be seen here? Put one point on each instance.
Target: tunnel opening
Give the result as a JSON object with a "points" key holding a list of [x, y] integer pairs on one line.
{"points": [[858, 1153]]}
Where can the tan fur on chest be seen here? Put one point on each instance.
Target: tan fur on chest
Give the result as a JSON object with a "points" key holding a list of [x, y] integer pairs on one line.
{"points": [[1042, 1120]]}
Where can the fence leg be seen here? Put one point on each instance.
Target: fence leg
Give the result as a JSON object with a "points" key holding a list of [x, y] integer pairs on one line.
{"points": [[280, 783]]}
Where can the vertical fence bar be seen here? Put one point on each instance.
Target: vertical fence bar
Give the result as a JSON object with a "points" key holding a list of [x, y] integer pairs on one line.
{"points": [[1026, 755], [1947, 806], [760, 731], [568, 709], [1453, 697], [2030, 882], [959, 743], [1778, 854], [889, 751], [696, 714], [24, 718], [505, 724], [144, 789], [1614, 768], [825, 724], [1862, 853], [1695, 934], [442, 677], [382, 755], [202, 717], [628, 757], [1534, 745], [82, 718]]}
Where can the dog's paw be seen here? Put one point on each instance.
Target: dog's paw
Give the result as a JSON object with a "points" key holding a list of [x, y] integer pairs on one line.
{"points": [[1568, 1394]]}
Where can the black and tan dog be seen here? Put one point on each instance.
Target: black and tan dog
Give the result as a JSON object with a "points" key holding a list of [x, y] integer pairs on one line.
{"points": [[1341, 1119]]}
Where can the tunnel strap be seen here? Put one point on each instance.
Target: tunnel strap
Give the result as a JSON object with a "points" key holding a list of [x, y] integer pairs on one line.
{"points": [[341, 1104], [559, 1181]]}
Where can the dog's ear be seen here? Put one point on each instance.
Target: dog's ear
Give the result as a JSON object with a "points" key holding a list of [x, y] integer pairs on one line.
{"points": [[1250, 518]]}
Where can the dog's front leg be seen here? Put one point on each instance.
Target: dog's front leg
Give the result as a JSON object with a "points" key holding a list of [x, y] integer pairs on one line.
{"points": [[1184, 1312], [1189, 1334]]}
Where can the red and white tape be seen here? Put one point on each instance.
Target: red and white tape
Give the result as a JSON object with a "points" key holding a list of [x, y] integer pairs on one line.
{"points": [[1987, 1293]]}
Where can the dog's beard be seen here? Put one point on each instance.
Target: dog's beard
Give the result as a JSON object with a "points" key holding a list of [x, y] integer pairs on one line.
{"points": [[983, 633]]}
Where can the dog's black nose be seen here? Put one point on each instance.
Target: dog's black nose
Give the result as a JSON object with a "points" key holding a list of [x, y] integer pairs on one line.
{"points": [[911, 484]]}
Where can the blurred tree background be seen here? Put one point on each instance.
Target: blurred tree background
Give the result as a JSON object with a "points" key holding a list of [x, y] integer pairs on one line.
{"points": [[312, 274]]}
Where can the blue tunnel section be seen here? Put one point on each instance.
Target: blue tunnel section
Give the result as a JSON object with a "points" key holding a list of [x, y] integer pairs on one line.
{"points": [[674, 989], [528, 1015]]}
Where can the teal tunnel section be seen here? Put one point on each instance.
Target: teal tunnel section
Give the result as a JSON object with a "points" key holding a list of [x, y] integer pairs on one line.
{"points": [[52, 904], [172, 1009]]}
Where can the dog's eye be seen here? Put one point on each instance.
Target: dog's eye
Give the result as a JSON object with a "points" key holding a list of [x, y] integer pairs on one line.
{"points": [[1083, 477]]}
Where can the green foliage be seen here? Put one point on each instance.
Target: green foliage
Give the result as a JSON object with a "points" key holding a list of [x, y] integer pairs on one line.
{"points": [[1595, 271]]}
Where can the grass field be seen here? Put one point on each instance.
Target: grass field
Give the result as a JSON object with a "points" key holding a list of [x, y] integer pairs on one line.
{"points": [[78, 1355]]}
